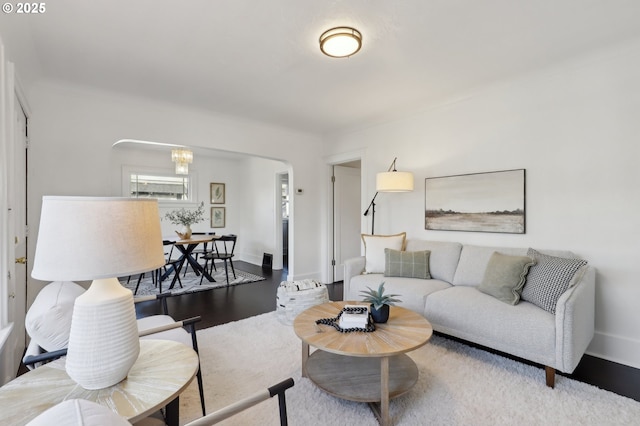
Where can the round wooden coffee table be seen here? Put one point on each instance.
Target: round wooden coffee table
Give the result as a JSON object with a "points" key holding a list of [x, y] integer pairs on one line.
{"points": [[358, 366]]}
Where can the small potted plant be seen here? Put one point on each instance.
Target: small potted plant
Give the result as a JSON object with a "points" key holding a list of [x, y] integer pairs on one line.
{"points": [[380, 303], [186, 218]]}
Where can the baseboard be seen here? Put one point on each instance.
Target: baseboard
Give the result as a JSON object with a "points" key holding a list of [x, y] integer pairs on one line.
{"points": [[621, 350], [250, 258]]}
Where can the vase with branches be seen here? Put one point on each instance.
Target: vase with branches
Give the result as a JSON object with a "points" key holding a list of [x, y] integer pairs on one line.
{"points": [[186, 218]]}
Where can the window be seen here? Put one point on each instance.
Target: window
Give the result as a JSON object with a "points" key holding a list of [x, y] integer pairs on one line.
{"points": [[160, 184]]}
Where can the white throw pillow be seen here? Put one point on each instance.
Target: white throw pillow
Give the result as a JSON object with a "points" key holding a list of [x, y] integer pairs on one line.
{"points": [[48, 320], [374, 246]]}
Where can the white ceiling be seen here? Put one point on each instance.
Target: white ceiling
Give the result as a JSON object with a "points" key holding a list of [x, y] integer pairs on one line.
{"points": [[260, 59]]}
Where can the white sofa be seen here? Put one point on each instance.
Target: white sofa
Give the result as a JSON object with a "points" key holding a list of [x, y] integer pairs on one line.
{"points": [[452, 303]]}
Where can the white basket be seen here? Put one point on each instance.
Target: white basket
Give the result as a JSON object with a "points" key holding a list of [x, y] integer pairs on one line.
{"points": [[294, 297]]}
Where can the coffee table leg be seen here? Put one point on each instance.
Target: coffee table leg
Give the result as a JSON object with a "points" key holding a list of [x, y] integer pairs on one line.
{"points": [[305, 357], [381, 409], [384, 391]]}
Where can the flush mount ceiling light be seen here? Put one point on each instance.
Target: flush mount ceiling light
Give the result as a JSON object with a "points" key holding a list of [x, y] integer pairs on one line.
{"points": [[340, 42]]}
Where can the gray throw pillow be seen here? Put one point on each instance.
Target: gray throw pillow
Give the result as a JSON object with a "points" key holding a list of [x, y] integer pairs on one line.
{"points": [[548, 279], [505, 276], [408, 264]]}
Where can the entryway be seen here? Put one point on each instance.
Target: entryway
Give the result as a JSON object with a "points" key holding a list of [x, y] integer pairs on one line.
{"points": [[346, 217]]}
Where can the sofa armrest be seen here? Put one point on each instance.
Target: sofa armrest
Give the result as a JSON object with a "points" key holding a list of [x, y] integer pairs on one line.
{"points": [[352, 268], [575, 321]]}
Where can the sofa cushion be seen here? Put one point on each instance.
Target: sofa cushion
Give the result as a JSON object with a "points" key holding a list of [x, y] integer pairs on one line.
{"points": [[411, 291], [410, 264], [523, 330], [505, 276], [474, 260], [549, 278], [443, 258], [48, 321], [374, 246]]}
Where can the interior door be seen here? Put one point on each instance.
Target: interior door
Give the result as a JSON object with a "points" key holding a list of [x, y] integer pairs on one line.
{"points": [[346, 217], [18, 283]]}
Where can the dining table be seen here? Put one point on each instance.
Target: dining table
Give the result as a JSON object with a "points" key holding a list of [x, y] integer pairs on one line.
{"points": [[185, 247]]}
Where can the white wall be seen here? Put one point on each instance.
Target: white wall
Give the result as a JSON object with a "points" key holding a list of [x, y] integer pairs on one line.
{"points": [[204, 170], [248, 182], [259, 213], [574, 128], [73, 130]]}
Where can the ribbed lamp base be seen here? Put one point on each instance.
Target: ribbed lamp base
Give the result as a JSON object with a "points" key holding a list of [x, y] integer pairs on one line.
{"points": [[103, 342]]}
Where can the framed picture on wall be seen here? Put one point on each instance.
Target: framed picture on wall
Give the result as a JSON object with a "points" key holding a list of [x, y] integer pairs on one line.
{"points": [[217, 193], [217, 217], [480, 202]]}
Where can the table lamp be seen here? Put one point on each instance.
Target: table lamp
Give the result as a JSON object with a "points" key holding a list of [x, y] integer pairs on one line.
{"points": [[99, 239]]}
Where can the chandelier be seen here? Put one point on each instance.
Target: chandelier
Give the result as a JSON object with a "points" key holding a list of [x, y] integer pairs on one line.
{"points": [[182, 157]]}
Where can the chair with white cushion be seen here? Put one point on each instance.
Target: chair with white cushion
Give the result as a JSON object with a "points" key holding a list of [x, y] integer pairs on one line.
{"points": [[74, 412], [48, 323], [248, 402]]}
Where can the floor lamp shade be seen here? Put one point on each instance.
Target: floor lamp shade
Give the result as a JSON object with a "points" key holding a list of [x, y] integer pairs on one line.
{"points": [[394, 181], [99, 239]]}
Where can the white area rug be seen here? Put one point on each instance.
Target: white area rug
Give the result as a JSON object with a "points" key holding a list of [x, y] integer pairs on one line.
{"points": [[190, 282], [458, 385]]}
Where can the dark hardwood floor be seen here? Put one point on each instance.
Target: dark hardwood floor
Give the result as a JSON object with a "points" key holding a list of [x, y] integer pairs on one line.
{"points": [[234, 303]]}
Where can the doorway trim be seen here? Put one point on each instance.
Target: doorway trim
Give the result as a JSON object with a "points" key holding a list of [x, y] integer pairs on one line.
{"points": [[330, 161], [12, 98], [278, 255]]}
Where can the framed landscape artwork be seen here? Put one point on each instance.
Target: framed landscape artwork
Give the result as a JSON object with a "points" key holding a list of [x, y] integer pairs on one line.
{"points": [[217, 193], [217, 217], [480, 202]]}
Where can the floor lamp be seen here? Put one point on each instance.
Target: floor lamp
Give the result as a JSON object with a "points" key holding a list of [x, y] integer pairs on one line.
{"points": [[389, 181]]}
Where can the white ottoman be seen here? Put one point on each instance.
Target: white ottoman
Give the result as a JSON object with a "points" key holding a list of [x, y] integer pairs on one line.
{"points": [[294, 297]]}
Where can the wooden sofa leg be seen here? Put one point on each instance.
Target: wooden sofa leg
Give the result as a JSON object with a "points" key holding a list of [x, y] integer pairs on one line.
{"points": [[551, 376]]}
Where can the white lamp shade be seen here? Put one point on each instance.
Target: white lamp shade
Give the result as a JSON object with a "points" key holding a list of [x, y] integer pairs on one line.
{"points": [[87, 238], [394, 182], [99, 239]]}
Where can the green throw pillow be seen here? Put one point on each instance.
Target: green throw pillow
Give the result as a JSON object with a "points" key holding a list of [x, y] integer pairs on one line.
{"points": [[505, 276], [408, 264]]}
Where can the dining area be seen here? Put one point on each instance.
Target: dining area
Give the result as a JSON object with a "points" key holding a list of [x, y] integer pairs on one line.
{"points": [[189, 256], [199, 255]]}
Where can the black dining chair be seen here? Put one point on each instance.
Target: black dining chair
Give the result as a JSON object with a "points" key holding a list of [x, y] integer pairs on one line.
{"points": [[168, 263], [200, 251], [223, 250]]}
